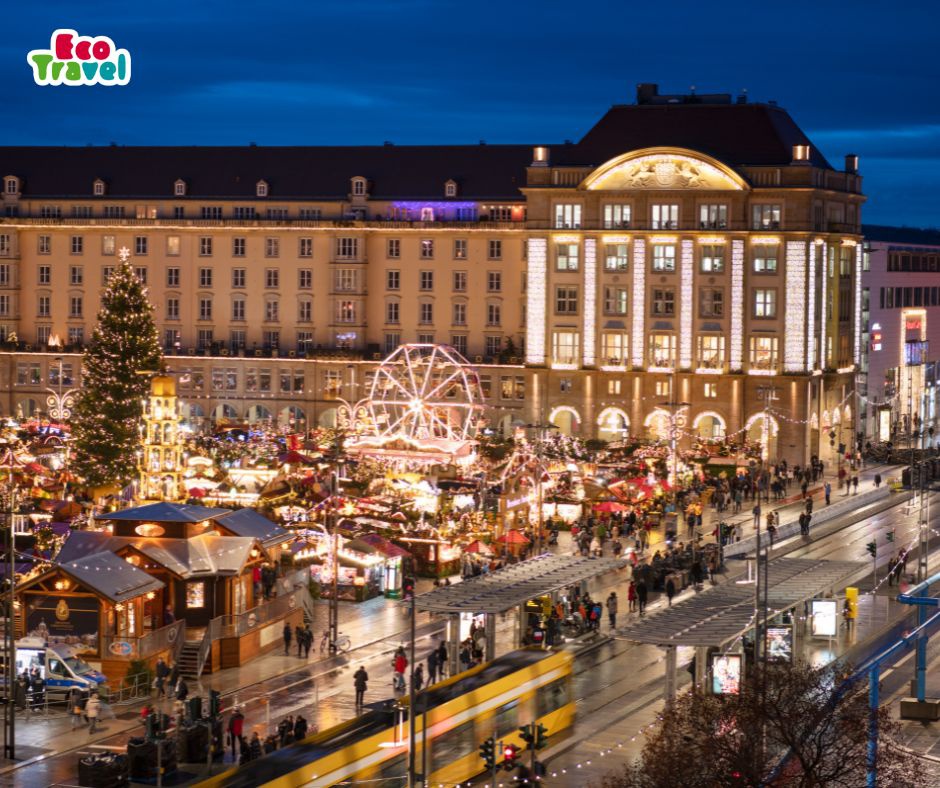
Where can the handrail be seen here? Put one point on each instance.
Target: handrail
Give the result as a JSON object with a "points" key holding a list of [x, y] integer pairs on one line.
{"points": [[169, 637], [213, 632]]}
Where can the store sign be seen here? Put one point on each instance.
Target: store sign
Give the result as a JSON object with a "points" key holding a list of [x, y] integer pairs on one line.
{"points": [[825, 618], [71, 621], [726, 674], [121, 648]]}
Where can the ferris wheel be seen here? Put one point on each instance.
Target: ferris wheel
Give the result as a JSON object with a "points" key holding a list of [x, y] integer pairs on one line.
{"points": [[425, 392]]}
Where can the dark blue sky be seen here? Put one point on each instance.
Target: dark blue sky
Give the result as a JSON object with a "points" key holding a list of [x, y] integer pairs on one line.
{"points": [[859, 77]]}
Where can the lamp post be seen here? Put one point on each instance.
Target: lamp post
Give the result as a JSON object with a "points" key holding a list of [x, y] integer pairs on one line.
{"points": [[60, 404], [676, 422], [8, 460]]}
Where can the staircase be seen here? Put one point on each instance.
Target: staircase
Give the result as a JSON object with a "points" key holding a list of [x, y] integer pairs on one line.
{"points": [[189, 659]]}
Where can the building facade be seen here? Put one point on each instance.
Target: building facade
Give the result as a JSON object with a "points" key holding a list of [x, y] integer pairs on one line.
{"points": [[688, 249], [901, 333]]}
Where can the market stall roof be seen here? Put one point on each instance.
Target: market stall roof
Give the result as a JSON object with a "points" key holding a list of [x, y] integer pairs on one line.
{"points": [[515, 585], [384, 546], [164, 512], [248, 522], [722, 614], [111, 577]]}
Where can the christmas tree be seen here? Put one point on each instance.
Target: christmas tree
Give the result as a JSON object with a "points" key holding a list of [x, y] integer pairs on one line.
{"points": [[124, 344]]}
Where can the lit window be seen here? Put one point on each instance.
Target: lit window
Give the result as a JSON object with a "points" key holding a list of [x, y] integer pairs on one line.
{"points": [[662, 388], [763, 353], [615, 257], [568, 216], [566, 257], [427, 249], [711, 352], [710, 390], [765, 259], [261, 189], [765, 303], [613, 386], [617, 217], [614, 348], [765, 217], [664, 257], [662, 349], [665, 217], [713, 259], [713, 217], [565, 347]]}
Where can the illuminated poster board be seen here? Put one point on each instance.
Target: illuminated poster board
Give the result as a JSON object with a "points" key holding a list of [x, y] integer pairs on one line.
{"points": [[825, 618], [59, 620], [780, 643], [726, 674]]}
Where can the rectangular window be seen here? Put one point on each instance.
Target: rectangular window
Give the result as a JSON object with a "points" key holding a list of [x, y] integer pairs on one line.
{"points": [[173, 308], [765, 258], [427, 249], [76, 335], [713, 258], [711, 352], [426, 314], [305, 278], [108, 245], [276, 214], [393, 248], [75, 306], [664, 257], [179, 212], [711, 302], [272, 278], [81, 211], [391, 312], [305, 247], [173, 277], [140, 245], [45, 275], [567, 216], [392, 341], [494, 250], [239, 276], [460, 249], [765, 303], [460, 281], [345, 280], [426, 280], [272, 312], [614, 349], [615, 257], [392, 280], [28, 374], [106, 272], [765, 217], [205, 246], [140, 271], [205, 277], [272, 247], [45, 244], [238, 309], [304, 311], [505, 387], [662, 350], [710, 390], [664, 302], [172, 246], [310, 214], [763, 353], [494, 315], [205, 309], [617, 217], [713, 217], [347, 248], [665, 217], [77, 244], [615, 300], [239, 247], [493, 346], [44, 306], [459, 343], [196, 594], [566, 257], [566, 347], [271, 340], [4, 275], [459, 314], [613, 386], [42, 334], [76, 275], [494, 282], [114, 212], [304, 341], [566, 300], [214, 212], [345, 311]]}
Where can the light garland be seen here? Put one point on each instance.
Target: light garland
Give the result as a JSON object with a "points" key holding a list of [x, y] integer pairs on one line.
{"points": [[811, 310], [535, 301], [858, 304], [590, 301], [686, 305], [824, 320], [639, 300], [795, 336], [737, 305]]}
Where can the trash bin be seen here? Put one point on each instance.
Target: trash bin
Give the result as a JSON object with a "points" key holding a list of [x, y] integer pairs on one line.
{"points": [[108, 770], [142, 757], [193, 743]]}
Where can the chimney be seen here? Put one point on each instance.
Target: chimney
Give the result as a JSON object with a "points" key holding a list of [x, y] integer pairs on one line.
{"points": [[851, 163], [540, 156], [646, 92]]}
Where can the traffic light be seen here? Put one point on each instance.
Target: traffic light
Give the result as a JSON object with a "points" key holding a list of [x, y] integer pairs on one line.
{"points": [[215, 704], [195, 708], [488, 752], [525, 733], [541, 736], [872, 548], [510, 756], [891, 535], [152, 726]]}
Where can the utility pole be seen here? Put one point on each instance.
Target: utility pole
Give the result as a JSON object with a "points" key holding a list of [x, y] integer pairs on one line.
{"points": [[333, 621], [9, 728], [412, 706]]}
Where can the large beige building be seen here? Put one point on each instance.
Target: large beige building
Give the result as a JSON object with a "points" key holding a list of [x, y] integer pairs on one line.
{"points": [[689, 249]]}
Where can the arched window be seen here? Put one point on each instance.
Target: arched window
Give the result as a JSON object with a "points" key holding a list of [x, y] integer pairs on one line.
{"points": [[359, 186], [179, 188], [11, 185], [98, 188], [427, 214], [261, 189], [450, 189]]}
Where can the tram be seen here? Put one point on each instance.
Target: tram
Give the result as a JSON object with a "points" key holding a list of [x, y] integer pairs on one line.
{"points": [[493, 699]]}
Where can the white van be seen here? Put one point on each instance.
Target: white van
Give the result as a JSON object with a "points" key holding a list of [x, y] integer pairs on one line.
{"points": [[59, 665]]}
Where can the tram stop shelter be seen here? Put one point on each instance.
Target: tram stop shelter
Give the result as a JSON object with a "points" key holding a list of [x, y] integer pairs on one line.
{"points": [[508, 588], [717, 617]]}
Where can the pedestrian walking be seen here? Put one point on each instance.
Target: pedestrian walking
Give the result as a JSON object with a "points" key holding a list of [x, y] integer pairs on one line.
{"points": [[827, 491], [631, 596], [855, 485], [361, 683], [442, 664], [612, 609], [182, 690], [432, 667], [299, 637], [641, 595], [399, 665], [92, 711], [308, 641], [287, 639], [877, 480], [670, 589], [300, 728], [417, 681], [174, 676], [38, 685], [236, 724], [162, 671], [75, 701], [756, 512]]}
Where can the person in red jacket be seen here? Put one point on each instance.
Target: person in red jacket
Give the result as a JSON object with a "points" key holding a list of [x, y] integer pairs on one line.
{"points": [[400, 665], [235, 726]]}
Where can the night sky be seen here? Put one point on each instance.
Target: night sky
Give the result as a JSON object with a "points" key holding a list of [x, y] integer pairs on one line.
{"points": [[859, 77]]}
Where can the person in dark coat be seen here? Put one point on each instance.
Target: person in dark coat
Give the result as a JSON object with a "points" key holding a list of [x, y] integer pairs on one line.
{"points": [[162, 671], [300, 729], [174, 675], [20, 691], [182, 690], [641, 595], [442, 665], [288, 634], [432, 667], [670, 590], [254, 748], [308, 641], [361, 682], [299, 637]]}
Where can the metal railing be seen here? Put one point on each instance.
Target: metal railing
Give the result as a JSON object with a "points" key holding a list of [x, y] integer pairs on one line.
{"points": [[213, 632]]}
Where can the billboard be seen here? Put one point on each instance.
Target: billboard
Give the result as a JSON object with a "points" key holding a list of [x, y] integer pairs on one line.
{"points": [[825, 618], [726, 674], [780, 643], [68, 620]]}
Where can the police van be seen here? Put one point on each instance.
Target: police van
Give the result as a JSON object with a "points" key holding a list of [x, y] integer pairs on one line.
{"points": [[59, 665]]}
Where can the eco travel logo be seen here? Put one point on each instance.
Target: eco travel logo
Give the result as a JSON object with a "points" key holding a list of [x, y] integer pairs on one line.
{"points": [[80, 60]]}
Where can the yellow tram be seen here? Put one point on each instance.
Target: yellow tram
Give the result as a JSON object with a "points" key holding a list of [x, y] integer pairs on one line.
{"points": [[494, 699]]}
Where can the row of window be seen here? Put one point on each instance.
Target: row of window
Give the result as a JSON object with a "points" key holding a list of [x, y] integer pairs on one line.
{"points": [[665, 216], [914, 261], [494, 313], [900, 297], [343, 278], [712, 258], [663, 300]]}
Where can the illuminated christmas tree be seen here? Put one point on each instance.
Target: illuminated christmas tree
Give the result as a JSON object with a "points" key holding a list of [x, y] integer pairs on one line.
{"points": [[124, 344]]}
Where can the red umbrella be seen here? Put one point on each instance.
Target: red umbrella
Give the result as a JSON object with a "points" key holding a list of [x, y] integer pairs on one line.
{"points": [[513, 536], [477, 546], [609, 506], [197, 492]]}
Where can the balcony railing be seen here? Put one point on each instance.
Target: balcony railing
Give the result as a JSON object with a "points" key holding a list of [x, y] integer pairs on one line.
{"points": [[170, 637]]}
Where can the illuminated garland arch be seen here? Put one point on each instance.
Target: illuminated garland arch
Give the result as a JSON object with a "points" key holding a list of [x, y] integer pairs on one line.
{"points": [[607, 412], [774, 425], [564, 409], [715, 415]]}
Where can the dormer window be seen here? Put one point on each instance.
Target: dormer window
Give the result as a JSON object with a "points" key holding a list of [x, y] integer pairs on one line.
{"points": [[179, 188], [97, 188], [450, 189], [359, 186], [11, 185], [261, 189]]}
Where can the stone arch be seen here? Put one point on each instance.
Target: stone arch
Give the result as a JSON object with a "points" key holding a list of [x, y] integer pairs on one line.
{"points": [[613, 424], [567, 419], [711, 425]]}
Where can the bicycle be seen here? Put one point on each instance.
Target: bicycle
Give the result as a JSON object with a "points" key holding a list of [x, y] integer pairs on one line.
{"points": [[342, 645]]}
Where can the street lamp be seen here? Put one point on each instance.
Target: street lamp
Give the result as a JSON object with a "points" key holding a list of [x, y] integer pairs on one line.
{"points": [[676, 422], [8, 460], [60, 409]]}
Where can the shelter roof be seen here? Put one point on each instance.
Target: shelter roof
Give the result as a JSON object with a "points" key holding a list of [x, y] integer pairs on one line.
{"points": [[111, 576], [164, 512], [248, 522]]}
